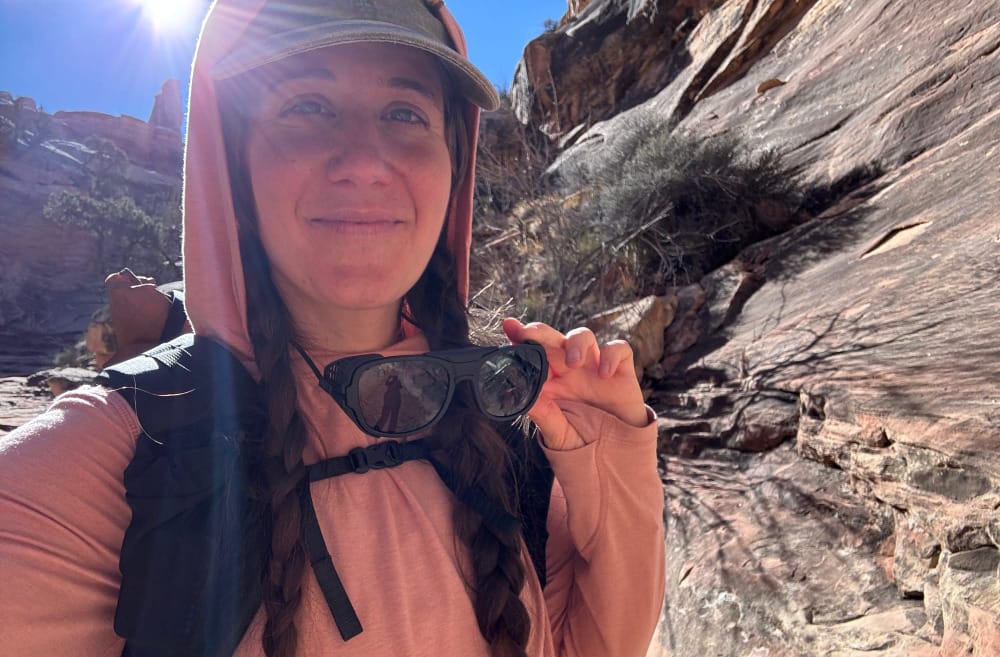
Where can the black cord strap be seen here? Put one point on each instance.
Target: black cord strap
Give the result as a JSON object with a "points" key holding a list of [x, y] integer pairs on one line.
{"points": [[359, 460], [322, 564]]}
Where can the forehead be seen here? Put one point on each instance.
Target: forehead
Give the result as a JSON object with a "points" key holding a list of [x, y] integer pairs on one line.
{"points": [[383, 64]]}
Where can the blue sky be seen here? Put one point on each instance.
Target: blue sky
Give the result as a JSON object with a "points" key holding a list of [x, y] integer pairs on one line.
{"points": [[108, 56]]}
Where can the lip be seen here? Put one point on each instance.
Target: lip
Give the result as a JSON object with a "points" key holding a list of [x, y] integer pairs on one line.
{"points": [[357, 224]]}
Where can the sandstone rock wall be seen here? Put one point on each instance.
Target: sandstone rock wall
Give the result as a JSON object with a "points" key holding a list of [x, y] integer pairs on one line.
{"points": [[48, 288], [614, 54], [168, 109], [829, 433]]}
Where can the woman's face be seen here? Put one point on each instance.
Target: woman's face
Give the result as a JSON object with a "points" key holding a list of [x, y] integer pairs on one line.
{"points": [[351, 174]]}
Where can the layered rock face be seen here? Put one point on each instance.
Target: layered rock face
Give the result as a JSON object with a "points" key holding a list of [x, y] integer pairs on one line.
{"points": [[829, 403], [613, 54], [168, 109], [49, 288]]}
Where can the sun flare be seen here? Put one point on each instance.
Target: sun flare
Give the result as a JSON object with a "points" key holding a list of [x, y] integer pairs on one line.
{"points": [[169, 16]]}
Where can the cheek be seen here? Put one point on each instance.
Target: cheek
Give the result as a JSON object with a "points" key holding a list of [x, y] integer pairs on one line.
{"points": [[290, 146], [430, 180], [271, 159], [276, 178], [272, 185]]}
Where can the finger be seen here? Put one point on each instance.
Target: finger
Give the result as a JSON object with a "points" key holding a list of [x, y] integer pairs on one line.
{"points": [[513, 328], [581, 347], [551, 339], [616, 358], [541, 333]]}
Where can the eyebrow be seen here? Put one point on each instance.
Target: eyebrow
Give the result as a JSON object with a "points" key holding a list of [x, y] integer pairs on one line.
{"points": [[284, 75], [413, 85], [397, 82]]}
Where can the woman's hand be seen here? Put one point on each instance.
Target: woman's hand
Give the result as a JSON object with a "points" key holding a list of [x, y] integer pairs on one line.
{"points": [[580, 370]]}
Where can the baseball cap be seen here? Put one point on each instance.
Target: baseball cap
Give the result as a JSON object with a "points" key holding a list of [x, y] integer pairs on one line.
{"points": [[289, 27]]}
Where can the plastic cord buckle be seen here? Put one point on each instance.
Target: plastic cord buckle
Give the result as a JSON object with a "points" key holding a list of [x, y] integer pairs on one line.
{"points": [[375, 457]]}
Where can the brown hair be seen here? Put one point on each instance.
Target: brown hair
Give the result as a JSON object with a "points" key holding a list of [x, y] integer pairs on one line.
{"points": [[464, 441]]}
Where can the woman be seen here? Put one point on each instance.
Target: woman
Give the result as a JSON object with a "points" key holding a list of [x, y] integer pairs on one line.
{"points": [[328, 183]]}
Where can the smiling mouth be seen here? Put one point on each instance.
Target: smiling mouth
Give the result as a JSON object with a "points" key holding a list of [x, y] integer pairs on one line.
{"points": [[357, 226]]}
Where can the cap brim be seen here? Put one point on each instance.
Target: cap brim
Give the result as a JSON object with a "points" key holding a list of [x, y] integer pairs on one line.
{"points": [[471, 82]]}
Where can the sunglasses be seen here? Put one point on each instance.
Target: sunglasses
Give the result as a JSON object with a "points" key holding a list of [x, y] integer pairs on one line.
{"points": [[395, 396]]}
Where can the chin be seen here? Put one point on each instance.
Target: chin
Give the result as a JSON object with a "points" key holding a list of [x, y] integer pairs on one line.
{"points": [[369, 293]]}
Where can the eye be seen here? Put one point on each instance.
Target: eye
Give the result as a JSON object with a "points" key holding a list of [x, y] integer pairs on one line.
{"points": [[306, 107], [406, 115]]}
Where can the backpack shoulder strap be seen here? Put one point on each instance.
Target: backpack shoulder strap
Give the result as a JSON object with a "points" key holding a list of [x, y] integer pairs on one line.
{"points": [[176, 316], [192, 554], [186, 380]]}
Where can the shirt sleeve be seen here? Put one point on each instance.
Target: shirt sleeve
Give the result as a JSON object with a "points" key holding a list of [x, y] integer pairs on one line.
{"points": [[62, 519], [605, 554]]}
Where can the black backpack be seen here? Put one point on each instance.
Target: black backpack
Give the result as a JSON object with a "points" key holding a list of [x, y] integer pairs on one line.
{"points": [[193, 553]]}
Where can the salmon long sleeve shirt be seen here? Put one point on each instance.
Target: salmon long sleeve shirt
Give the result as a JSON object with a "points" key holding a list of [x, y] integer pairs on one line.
{"points": [[63, 516]]}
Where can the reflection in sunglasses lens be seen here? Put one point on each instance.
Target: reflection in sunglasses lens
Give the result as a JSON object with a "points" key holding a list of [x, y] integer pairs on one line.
{"points": [[507, 380], [402, 396]]}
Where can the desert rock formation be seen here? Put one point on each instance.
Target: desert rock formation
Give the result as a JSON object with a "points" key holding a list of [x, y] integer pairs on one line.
{"points": [[48, 290], [612, 55], [829, 440], [168, 111]]}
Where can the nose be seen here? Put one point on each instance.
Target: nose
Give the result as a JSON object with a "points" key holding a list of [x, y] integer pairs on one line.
{"points": [[357, 154]]}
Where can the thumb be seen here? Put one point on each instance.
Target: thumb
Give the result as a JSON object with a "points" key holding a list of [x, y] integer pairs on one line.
{"points": [[514, 330], [551, 422]]}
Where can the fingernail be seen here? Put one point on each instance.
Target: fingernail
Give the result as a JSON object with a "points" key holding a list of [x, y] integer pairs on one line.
{"points": [[573, 356], [605, 368]]}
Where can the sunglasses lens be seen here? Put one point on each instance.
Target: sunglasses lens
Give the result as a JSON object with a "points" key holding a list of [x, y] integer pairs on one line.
{"points": [[508, 381], [402, 396]]}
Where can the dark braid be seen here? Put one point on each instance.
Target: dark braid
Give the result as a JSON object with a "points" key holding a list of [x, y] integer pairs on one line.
{"points": [[282, 466], [284, 469], [472, 450]]}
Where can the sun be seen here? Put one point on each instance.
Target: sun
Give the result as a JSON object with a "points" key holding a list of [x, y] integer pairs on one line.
{"points": [[169, 16]]}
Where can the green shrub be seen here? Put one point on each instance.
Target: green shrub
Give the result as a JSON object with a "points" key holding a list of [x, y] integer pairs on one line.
{"points": [[680, 205], [130, 227], [658, 209], [124, 234]]}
